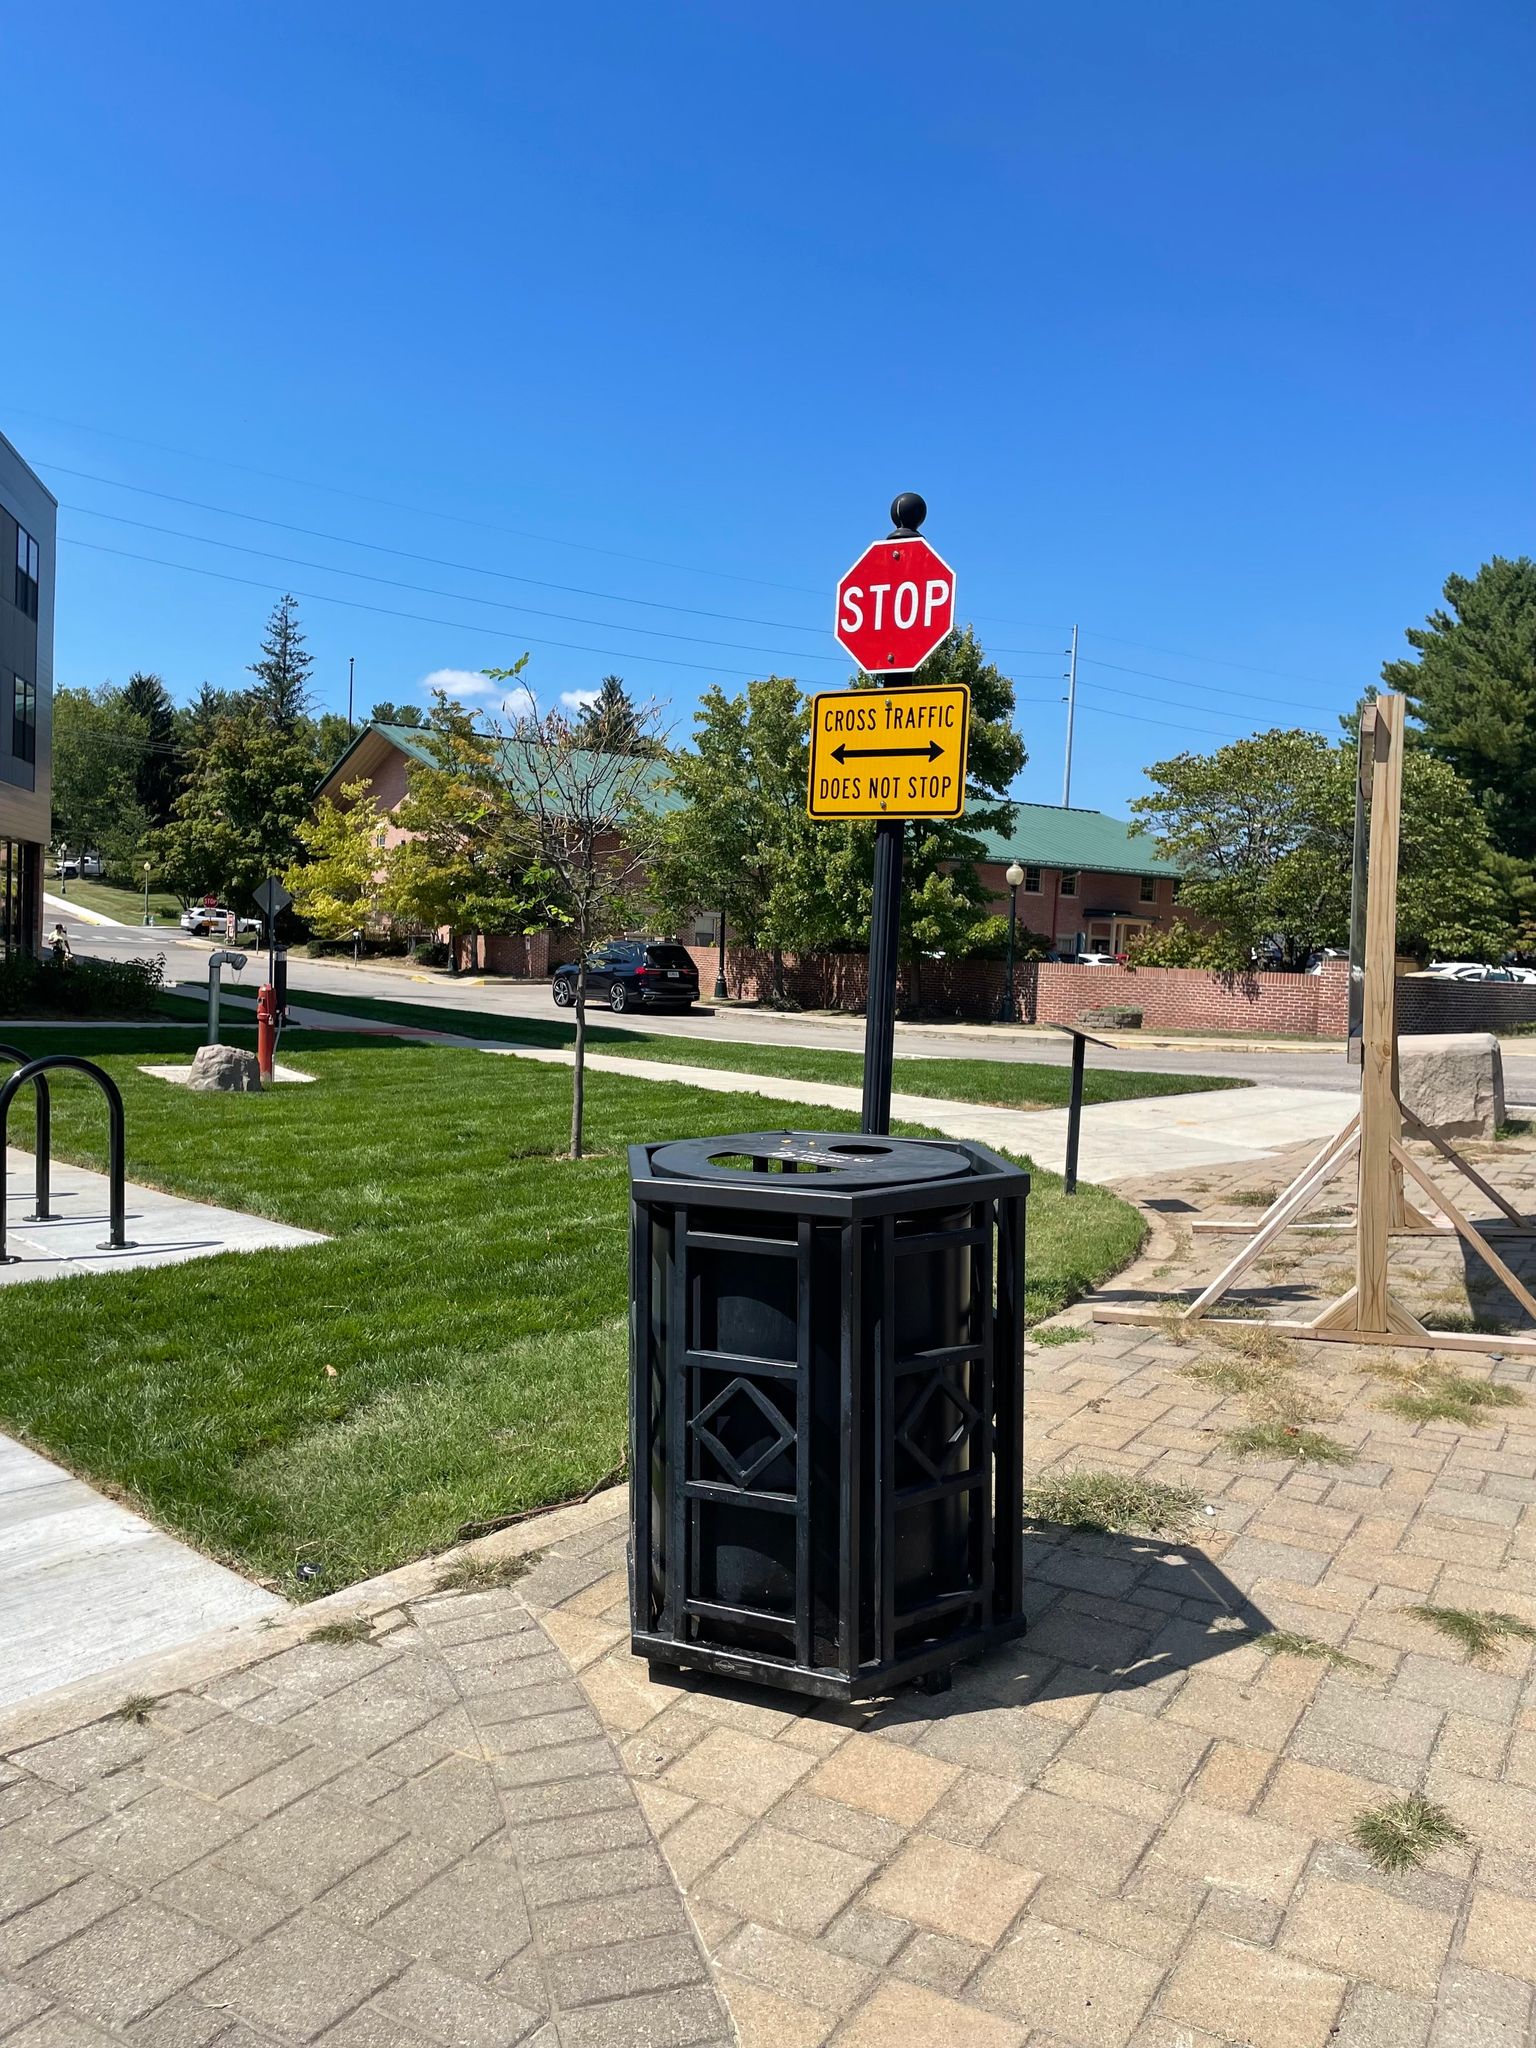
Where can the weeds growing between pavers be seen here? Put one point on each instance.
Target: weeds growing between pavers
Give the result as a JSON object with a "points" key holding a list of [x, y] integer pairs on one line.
{"points": [[136, 1708], [1285, 1642], [472, 1574], [1286, 1440], [356, 1628], [470, 1306], [1113, 1502], [1427, 1392], [1479, 1630], [1401, 1834]]}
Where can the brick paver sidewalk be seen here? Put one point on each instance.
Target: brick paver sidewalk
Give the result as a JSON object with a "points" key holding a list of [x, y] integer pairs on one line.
{"points": [[421, 1839], [1132, 1829]]}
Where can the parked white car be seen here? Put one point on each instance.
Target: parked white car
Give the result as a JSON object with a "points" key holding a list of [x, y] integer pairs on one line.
{"points": [[210, 920], [1476, 970]]}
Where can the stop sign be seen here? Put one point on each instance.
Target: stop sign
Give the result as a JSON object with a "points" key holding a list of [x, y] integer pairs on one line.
{"points": [[895, 605]]}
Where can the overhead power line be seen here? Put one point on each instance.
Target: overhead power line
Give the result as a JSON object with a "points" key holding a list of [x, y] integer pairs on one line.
{"points": [[356, 604], [347, 540], [459, 596], [416, 511]]}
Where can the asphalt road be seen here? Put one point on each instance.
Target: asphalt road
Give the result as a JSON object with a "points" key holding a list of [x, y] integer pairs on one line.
{"points": [[185, 960]]}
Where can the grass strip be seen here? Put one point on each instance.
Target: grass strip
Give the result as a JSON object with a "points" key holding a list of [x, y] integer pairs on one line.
{"points": [[455, 1354], [1004, 1084]]}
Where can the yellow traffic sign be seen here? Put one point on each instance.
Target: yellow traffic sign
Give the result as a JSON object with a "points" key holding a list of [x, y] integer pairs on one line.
{"points": [[889, 753]]}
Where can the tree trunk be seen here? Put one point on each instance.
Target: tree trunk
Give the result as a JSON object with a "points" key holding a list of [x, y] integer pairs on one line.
{"points": [[579, 1070]]}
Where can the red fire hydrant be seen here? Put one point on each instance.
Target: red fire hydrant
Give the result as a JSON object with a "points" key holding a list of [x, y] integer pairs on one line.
{"points": [[266, 1032]]}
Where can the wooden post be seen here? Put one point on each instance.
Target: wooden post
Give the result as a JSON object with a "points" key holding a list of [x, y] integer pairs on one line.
{"points": [[1380, 1122]]}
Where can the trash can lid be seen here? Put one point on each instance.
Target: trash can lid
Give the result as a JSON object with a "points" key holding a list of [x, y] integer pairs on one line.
{"points": [[856, 1158]]}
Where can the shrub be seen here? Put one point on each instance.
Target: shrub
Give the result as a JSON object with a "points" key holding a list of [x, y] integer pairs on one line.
{"points": [[431, 953], [85, 988]]}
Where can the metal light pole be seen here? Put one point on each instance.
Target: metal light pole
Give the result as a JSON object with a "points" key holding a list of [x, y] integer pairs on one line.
{"points": [[351, 665], [1013, 876], [720, 991], [147, 919], [1066, 774]]}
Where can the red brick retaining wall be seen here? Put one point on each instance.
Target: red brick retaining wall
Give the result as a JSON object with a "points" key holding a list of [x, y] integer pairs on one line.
{"points": [[1056, 992]]}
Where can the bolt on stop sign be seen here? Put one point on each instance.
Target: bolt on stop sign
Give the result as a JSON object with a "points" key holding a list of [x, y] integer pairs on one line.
{"points": [[895, 605]]}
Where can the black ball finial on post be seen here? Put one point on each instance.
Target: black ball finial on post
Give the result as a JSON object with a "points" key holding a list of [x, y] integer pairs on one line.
{"points": [[908, 511]]}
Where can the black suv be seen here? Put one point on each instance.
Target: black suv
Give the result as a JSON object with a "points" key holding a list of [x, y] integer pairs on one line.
{"points": [[649, 973]]}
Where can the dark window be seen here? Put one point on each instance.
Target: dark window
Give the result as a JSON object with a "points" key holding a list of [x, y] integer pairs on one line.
{"points": [[1149, 888], [1069, 881], [26, 574], [668, 956], [1031, 881], [24, 719]]}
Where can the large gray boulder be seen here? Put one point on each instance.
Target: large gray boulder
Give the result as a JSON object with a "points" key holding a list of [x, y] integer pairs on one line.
{"points": [[1453, 1081], [225, 1067]]}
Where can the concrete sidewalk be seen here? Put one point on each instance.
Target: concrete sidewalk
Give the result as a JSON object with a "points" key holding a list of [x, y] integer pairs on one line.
{"points": [[1120, 1140], [86, 1586], [164, 1229]]}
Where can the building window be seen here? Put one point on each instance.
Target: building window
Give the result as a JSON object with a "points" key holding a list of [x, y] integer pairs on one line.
{"points": [[24, 719], [1069, 881], [1149, 888], [1031, 881], [26, 573]]}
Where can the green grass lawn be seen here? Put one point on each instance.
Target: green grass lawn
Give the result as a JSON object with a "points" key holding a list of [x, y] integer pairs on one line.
{"points": [[1009, 1084], [456, 1353], [114, 899]]}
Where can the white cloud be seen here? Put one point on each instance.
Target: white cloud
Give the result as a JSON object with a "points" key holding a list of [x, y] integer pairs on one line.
{"points": [[518, 703], [459, 682], [578, 700]]}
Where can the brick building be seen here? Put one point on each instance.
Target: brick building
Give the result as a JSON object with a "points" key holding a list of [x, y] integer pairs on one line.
{"points": [[1090, 884]]}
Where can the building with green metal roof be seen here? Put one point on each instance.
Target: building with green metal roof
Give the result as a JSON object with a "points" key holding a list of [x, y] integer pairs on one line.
{"points": [[1089, 884]]}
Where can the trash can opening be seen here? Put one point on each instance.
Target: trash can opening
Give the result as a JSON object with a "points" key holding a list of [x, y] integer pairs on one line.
{"points": [[858, 1161]]}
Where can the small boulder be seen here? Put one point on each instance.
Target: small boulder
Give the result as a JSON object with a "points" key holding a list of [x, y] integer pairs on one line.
{"points": [[225, 1067], [1453, 1081]]}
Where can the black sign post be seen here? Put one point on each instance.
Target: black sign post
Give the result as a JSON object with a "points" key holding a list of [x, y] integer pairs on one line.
{"points": [[908, 512], [880, 1000]]}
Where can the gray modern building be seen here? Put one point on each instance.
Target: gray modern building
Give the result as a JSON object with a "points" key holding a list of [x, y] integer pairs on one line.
{"points": [[28, 529]]}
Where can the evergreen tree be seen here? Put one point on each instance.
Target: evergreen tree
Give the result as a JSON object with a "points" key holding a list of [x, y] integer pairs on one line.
{"points": [[1473, 692], [611, 723], [282, 686], [157, 775], [197, 722]]}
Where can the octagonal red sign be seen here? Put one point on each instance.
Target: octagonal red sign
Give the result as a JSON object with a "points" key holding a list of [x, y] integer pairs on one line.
{"points": [[895, 605]]}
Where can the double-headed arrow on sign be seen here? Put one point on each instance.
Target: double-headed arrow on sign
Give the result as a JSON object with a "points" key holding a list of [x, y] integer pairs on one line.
{"points": [[846, 753]]}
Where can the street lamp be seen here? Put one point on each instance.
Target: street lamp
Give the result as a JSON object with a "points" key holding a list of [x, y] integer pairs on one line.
{"points": [[1013, 876], [720, 964], [147, 917]]}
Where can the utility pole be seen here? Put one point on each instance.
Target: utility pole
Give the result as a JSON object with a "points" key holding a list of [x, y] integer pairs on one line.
{"points": [[1066, 778], [351, 665]]}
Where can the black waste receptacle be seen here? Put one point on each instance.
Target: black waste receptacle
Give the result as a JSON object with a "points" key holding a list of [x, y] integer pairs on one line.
{"points": [[826, 1406]]}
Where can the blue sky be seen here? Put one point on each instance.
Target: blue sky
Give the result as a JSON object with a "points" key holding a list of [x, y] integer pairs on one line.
{"points": [[1207, 327]]}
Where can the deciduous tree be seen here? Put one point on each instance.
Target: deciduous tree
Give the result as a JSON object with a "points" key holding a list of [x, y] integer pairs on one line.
{"points": [[587, 803], [341, 876], [1262, 830], [98, 745]]}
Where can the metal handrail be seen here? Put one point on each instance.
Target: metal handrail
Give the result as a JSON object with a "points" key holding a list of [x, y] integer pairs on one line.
{"points": [[43, 1141], [117, 1239]]}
